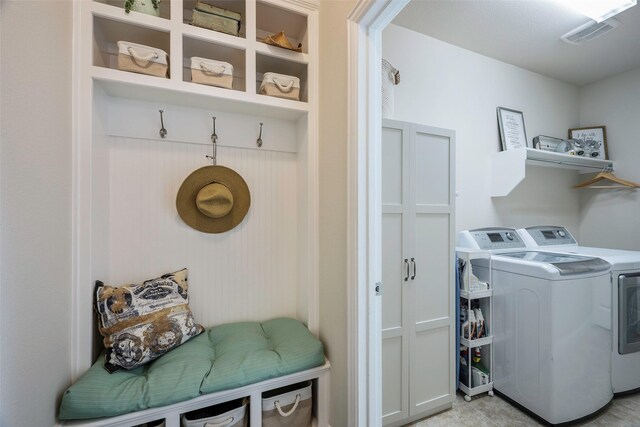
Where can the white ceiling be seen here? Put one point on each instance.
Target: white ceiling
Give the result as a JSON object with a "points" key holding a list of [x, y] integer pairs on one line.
{"points": [[526, 33]]}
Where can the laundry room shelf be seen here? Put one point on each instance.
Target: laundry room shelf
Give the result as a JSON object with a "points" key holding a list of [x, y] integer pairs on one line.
{"points": [[485, 388], [477, 342], [508, 168], [476, 294], [476, 356]]}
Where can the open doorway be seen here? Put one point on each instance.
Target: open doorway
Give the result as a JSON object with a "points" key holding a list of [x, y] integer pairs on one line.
{"points": [[551, 106], [365, 247], [366, 23]]}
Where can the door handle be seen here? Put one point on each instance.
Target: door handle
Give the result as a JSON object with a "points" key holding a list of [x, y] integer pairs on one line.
{"points": [[413, 261], [406, 262]]}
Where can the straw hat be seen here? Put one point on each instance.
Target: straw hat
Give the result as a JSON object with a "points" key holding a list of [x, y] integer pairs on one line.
{"points": [[213, 199], [282, 41]]}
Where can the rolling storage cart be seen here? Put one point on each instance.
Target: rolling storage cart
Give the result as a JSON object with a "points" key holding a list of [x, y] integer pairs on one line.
{"points": [[475, 323]]}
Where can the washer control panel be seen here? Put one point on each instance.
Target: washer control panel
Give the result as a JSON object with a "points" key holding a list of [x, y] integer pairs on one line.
{"points": [[550, 235], [490, 239]]}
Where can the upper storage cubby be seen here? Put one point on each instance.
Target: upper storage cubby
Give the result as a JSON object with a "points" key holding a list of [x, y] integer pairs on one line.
{"points": [[219, 16], [271, 19], [107, 33], [269, 64], [193, 47], [162, 8]]}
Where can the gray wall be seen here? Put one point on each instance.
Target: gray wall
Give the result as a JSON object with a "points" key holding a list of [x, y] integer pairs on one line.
{"points": [[333, 198], [35, 209], [611, 218]]}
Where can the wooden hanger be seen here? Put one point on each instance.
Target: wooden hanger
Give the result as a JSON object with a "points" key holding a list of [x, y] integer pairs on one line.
{"points": [[607, 176]]}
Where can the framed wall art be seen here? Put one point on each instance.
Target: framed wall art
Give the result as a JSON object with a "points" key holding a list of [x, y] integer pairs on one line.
{"points": [[512, 132], [593, 139]]}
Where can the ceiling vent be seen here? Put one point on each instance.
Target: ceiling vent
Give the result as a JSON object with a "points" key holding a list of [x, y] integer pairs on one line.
{"points": [[589, 31]]}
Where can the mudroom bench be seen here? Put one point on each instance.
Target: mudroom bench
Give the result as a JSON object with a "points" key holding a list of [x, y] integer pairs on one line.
{"points": [[224, 363]]}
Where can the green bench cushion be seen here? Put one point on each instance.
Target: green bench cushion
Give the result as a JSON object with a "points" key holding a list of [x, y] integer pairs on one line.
{"points": [[221, 358]]}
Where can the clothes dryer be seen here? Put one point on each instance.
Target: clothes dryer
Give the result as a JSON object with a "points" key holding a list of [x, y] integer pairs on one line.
{"points": [[551, 356], [624, 311]]}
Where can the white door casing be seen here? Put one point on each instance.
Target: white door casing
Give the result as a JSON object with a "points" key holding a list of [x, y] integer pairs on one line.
{"points": [[365, 25]]}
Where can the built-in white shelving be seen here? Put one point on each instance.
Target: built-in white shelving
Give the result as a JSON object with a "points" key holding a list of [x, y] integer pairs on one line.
{"points": [[172, 33], [508, 168], [123, 162], [153, 89]]}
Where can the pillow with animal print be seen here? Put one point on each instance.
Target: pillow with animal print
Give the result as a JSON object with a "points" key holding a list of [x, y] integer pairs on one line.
{"points": [[140, 323]]}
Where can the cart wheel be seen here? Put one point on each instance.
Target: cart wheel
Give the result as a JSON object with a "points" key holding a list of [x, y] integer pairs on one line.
{"points": [[491, 393], [467, 398]]}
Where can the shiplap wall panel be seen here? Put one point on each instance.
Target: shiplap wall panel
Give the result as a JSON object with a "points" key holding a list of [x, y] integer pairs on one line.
{"points": [[304, 274], [248, 273]]}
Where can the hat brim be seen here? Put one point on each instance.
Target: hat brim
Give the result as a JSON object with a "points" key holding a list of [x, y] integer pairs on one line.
{"points": [[186, 199], [285, 44]]}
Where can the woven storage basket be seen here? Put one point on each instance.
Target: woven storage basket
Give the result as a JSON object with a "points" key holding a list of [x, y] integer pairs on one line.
{"points": [[289, 406], [281, 86], [228, 414], [211, 72], [142, 59]]}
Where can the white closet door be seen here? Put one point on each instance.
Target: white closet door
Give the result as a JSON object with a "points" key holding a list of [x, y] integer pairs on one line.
{"points": [[395, 337], [418, 336], [431, 304]]}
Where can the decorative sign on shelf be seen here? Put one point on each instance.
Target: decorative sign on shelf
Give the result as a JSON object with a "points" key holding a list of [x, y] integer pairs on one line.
{"points": [[592, 137], [512, 132]]}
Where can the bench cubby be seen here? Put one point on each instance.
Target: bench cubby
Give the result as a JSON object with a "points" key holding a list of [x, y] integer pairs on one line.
{"points": [[171, 413]]}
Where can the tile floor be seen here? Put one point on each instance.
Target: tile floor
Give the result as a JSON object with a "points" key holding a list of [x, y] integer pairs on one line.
{"points": [[493, 411]]}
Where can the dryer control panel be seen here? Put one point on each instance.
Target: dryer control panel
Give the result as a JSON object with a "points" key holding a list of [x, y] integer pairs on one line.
{"points": [[490, 239], [550, 235]]}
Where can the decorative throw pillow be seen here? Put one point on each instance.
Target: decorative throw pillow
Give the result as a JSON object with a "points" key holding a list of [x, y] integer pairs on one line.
{"points": [[140, 323]]}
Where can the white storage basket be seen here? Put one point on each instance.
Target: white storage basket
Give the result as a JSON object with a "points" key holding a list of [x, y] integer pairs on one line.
{"points": [[281, 86], [228, 414], [289, 406], [211, 72], [142, 59]]}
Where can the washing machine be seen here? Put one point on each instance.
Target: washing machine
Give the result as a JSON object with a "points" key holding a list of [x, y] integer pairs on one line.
{"points": [[625, 302], [551, 354]]}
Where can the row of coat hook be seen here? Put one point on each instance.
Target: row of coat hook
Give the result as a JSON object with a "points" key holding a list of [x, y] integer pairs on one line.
{"points": [[214, 137]]}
